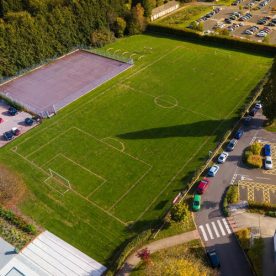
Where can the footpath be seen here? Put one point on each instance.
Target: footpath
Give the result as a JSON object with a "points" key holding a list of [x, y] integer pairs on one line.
{"points": [[133, 260]]}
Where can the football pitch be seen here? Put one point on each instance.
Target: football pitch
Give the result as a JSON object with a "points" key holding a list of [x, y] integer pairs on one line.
{"points": [[108, 165]]}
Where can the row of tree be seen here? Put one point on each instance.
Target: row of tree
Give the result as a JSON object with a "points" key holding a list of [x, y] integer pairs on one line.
{"points": [[32, 31]]}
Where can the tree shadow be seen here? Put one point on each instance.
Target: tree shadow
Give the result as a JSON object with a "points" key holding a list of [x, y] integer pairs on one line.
{"points": [[198, 129]]}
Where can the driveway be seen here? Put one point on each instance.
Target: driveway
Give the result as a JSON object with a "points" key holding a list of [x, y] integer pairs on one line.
{"points": [[215, 230]]}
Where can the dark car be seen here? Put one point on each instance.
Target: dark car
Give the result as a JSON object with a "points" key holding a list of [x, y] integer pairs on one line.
{"points": [[231, 145], [29, 121], [15, 131], [253, 112], [247, 120], [12, 111], [267, 150], [213, 258], [239, 134], [8, 135]]}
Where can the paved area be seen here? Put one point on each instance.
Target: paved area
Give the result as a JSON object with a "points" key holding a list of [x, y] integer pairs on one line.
{"points": [[49, 88], [220, 235], [133, 260], [12, 121], [266, 227], [7, 252], [239, 32]]}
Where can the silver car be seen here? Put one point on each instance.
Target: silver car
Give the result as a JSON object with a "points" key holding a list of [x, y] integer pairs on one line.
{"points": [[222, 158], [268, 163]]}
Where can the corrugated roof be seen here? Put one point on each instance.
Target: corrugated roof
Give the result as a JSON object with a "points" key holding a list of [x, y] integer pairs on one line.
{"points": [[49, 255], [164, 7]]}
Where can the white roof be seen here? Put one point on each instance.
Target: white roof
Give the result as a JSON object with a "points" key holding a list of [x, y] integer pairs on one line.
{"points": [[49, 255]]}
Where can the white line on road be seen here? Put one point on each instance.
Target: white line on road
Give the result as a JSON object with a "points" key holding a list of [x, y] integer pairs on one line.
{"points": [[209, 231], [215, 229], [263, 178], [203, 232], [226, 226], [221, 228], [233, 179]]}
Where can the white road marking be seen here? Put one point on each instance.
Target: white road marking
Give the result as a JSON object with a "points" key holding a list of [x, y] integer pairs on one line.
{"points": [[221, 228], [215, 229], [233, 179], [263, 178], [209, 231], [226, 226], [245, 178], [203, 233]]}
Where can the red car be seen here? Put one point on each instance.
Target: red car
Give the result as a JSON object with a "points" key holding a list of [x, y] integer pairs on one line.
{"points": [[202, 186], [1, 120]]}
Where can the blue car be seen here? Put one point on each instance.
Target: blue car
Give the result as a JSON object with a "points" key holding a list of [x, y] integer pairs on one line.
{"points": [[267, 150], [213, 258], [238, 134], [12, 111], [8, 135]]}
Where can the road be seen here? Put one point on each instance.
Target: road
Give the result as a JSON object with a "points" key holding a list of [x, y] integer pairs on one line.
{"points": [[214, 229]]}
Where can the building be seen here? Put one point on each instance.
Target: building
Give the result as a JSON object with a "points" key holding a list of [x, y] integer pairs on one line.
{"points": [[164, 9], [47, 255]]}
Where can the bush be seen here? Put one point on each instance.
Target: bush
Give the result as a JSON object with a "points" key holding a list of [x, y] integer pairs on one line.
{"points": [[17, 221], [256, 148], [232, 194], [179, 212], [254, 161], [243, 236], [101, 37]]}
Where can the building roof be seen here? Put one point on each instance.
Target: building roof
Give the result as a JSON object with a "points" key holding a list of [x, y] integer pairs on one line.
{"points": [[49, 255], [164, 7]]}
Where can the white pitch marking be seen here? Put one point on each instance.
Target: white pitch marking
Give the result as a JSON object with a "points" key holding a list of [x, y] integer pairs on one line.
{"points": [[209, 231], [215, 229], [221, 228], [203, 233], [226, 226]]}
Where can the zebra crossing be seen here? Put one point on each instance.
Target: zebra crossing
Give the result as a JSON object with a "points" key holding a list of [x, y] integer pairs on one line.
{"points": [[215, 229]]}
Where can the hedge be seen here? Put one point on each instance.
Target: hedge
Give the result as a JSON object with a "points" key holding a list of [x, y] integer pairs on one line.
{"points": [[229, 42], [17, 221], [263, 207]]}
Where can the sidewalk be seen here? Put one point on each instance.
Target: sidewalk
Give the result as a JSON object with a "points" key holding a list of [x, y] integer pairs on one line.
{"points": [[133, 260]]}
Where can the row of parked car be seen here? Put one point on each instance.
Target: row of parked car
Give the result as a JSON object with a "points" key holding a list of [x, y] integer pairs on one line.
{"points": [[204, 183], [209, 15]]}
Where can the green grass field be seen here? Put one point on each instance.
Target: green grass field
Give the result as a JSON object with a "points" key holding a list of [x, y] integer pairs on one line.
{"points": [[108, 165]]}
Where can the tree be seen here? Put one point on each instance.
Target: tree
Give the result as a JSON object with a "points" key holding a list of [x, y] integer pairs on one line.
{"points": [[179, 212], [120, 26], [268, 96], [101, 37], [148, 6], [137, 22]]}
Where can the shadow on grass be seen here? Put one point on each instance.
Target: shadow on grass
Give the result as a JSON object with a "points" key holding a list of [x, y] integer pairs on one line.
{"points": [[198, 129]]}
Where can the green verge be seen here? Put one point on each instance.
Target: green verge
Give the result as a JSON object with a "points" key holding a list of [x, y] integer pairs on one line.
{"points": [[191, 251], [121, 153]]}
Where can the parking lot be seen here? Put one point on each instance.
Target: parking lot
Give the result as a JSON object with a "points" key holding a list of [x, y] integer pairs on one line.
{"points": [[237, 27], [9, 122]]}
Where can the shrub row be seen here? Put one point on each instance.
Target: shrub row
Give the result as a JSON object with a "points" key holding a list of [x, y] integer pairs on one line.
{"points": [[231, 196], [228, 42], [262, 207], [17, 221]]}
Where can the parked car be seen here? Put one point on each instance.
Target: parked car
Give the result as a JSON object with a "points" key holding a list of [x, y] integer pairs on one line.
{"points": [[253, 112], [8, 135], [29, 121], [268, 163], [231, 145], [222, 158], [247, 120], [213, 258], [258, 105], [213, 170], [12, 111], [196, 202], [15, 131], [1, 120], [239, 134], [202, 186], [267, 150]]}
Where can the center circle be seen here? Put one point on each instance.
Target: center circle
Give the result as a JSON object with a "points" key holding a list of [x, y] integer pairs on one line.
{"points": [[166, 101]]}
